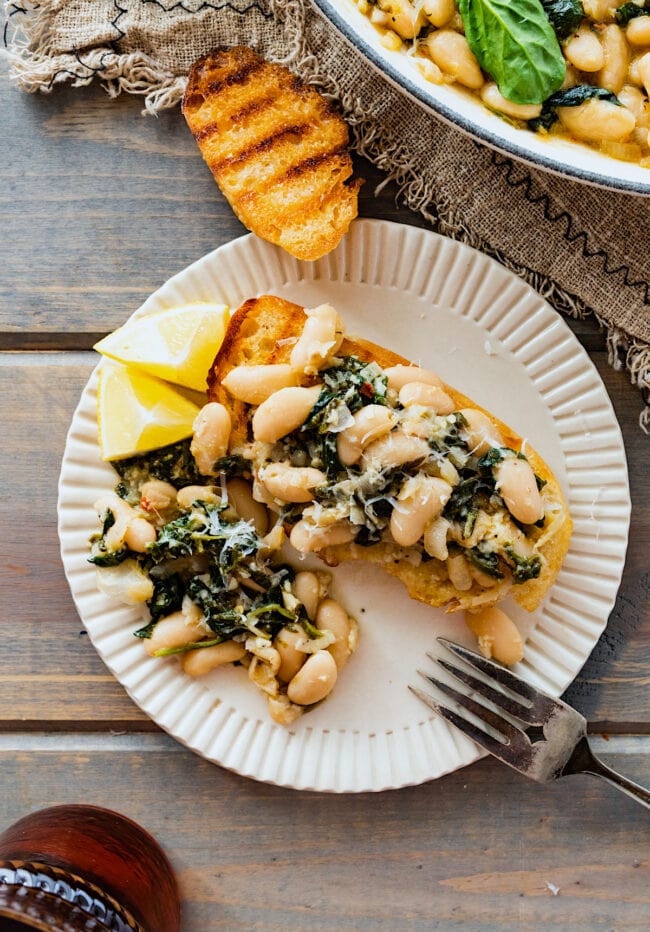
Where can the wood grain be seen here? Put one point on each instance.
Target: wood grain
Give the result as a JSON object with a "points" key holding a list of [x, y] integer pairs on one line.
{"points": [[483, 849], [100, 205]]}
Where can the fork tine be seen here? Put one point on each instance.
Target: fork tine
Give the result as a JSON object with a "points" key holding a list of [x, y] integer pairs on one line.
{"points": [[509, 731], [482, 738], [488, 692], [494, 670]]}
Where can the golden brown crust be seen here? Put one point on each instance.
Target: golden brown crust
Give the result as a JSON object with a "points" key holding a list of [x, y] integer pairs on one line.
{"points": [[263, 330], [276, 147]]}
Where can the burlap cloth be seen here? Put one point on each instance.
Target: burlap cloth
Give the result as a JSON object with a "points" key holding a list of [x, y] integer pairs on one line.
{"points": [[586, 250]]}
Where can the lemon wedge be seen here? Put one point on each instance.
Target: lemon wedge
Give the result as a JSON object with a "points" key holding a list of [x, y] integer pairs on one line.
{"points": [[178, 344], [137, 413]]}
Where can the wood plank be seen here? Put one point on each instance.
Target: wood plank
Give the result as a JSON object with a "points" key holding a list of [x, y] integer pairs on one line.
{"points": [[100, 206], [479, 849], [51, 673]]}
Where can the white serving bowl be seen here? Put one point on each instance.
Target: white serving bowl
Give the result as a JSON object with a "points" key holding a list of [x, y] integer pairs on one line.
{"points": [[467, 113]]}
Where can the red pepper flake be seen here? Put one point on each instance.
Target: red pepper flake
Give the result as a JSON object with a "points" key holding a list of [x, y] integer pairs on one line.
{"points": [[367, 390]]}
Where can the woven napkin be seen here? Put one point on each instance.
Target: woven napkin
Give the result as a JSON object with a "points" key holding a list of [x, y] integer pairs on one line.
{"points": [[584, 249]]}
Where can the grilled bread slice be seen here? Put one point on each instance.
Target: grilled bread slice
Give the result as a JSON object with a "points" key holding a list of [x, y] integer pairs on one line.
{"points": [[277, 150], [264, 330]]}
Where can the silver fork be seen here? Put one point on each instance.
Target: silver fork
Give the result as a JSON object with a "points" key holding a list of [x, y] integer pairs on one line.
{"points": [[550, 740]]}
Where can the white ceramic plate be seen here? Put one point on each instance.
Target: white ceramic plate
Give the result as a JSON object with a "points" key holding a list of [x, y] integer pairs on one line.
{"points": [[458, 312], [465, 111]]}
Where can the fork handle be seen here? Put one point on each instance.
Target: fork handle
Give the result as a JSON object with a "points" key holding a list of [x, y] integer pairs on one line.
{"points": [[583, 760]]}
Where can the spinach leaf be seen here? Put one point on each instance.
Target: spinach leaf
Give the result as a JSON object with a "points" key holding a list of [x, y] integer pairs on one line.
{"points": [[630, 11], [233, 466], [565, 15], [174, 464], [485, 560], [99, 553], [218, 605], [348, 386], [570, 97], [514, 42], [99, 556], [167, 598], [523, 568], [203, 530], [495, 455], [471, 495]]}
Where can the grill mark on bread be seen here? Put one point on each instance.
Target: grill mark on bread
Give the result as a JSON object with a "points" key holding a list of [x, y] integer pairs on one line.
{"points": [[255, 106], [264, 145], [312, 162], [239, 76], [207, 130]]}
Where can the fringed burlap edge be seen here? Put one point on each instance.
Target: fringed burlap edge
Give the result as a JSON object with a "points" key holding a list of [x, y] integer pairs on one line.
{"points": [[32, 59]]}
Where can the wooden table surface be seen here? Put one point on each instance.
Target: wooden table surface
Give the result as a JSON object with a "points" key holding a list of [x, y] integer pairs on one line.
{"points": [[100, 205]]}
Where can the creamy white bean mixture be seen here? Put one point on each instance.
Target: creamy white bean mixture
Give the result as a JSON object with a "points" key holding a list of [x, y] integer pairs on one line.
{"points": [[188, 543], [337, 451], [580, 70]]}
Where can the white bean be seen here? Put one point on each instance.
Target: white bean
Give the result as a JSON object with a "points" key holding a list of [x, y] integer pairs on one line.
{"points": [[515, 480], [138, 534], [598, 10], [254, 384], [370, 423], [176, 630], [240, 496], [429, 396], [157, 496], [320, 339], [395, 449], [122, 513], [399, 376], [186, 496], [332, 617], [638, 31], [632, 98], [480, 434], [403, 17], [584, 50], [420, 499], [597, 120], [201, 661], [439, 12], [459, 574], [435, 538], [291, 483], [211, 435], [497, 635], [452, 54], [643, 68], [308, 538], [315, 679], [291, 659], [484, 580], [492, 98], [283, 411], [617, 58], [282, 710], [306, 587]]}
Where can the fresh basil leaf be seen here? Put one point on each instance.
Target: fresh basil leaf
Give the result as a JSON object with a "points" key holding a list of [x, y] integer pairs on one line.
{"points": [[630, 11], [570, 97], [565, 16], [514, 42]]}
